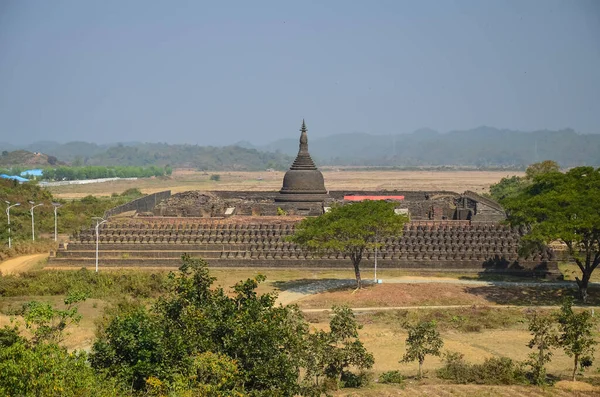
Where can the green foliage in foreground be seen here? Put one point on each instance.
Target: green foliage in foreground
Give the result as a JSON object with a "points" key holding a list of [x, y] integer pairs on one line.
{"points": [[39, 366], [263, 348], [350, 229]]}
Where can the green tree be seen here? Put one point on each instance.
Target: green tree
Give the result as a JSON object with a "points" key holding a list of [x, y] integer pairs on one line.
{"points": [[47, 323], [423, 340], [541, 168], [576, 337], [507, 187], [350, 229], [331, 353], [544, 338], [167, 341], [564, 207], [511, 186]]}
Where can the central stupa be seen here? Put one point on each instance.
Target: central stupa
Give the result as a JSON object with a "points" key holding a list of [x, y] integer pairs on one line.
{"points": [[303, 182]]}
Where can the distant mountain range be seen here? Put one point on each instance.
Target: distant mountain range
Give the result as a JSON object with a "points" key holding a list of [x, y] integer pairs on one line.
{"points": [[483, 147], [478, 147]]}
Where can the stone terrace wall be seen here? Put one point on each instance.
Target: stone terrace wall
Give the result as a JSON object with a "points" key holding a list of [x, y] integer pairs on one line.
{"points": [[259, 242]]}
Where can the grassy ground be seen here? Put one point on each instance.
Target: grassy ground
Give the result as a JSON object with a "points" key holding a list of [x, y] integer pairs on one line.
{"points": [[570, 271], [393, 295]]}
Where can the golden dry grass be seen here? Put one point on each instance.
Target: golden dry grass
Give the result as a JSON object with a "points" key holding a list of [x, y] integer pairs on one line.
{"points": [[182, 181]]}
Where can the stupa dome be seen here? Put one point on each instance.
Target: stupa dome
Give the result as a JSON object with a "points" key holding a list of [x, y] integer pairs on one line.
{"points": [[303, 181]]}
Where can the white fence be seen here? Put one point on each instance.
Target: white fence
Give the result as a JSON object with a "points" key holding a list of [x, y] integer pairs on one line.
{"points": [[85, 181]]}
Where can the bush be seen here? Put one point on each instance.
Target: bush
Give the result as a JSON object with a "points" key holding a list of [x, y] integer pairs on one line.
{"points": [[350, 379], [137, 284], [215, 177], [391, 377], [493, 371]]}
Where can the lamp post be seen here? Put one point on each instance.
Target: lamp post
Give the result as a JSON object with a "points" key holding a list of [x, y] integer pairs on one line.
{"points": [[33, 205], [99, 221], [8, 215], [375, 276], [55, 205]]}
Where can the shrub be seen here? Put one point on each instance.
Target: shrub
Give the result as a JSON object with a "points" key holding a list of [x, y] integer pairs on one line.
{"points": [[493, 371], [353, 380], [215, 177], [391, 377]]}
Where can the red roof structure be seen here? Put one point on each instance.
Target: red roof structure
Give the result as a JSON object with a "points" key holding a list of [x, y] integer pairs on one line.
{"points": [[361, 198]]}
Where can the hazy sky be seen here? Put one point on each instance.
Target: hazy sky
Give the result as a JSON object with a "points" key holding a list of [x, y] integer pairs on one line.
{"points": [[222, 71]]}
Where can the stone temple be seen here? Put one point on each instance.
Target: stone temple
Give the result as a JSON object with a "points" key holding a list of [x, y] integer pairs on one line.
{"points": [[303, 182], [448, 231]]}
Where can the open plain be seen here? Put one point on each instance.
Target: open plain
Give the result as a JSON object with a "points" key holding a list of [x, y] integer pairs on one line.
{"points": [[185, 180]]}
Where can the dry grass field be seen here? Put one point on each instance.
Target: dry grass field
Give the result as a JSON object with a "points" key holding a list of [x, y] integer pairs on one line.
{"points": [[184, 180]]}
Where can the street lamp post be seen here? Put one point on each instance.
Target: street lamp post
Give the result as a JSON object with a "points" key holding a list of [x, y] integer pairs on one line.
{"points": [[8, 215], [99, 221], [375, 276], [55, 205], [33, 205]]}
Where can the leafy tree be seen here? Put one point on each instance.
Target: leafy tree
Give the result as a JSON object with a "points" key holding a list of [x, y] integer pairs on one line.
{"points": [[350, 229], [541, 168], [507, 187], [544, 338], [576, 337], [40, 366], [565, 207], [423, 340], [170, 340], [331, 353], [47, 323]]}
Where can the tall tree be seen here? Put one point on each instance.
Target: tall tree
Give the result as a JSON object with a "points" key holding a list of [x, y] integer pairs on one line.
{"points": [[350, 229], [564, 207]]}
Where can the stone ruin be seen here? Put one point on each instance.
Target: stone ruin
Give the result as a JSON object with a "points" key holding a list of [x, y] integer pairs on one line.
{"points": [[448, 231]]}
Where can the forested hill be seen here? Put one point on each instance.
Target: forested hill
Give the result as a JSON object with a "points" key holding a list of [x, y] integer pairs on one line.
{"points": [[480, 147], [158, 154], [483, 147]]}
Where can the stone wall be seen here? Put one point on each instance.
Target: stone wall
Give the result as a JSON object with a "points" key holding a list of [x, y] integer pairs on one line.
{"points": [[143, 204], [261, 241]]}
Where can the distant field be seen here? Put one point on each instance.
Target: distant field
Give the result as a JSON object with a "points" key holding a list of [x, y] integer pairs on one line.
{"points": [[184, 180]]}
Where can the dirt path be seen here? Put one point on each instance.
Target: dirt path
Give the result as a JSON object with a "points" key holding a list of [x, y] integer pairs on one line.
{"points": [[21, 263]]}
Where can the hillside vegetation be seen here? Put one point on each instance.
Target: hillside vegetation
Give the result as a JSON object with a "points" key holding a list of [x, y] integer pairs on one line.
{"points": [[483, 148]]}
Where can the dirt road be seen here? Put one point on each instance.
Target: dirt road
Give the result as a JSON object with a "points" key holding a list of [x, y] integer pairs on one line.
{"points": [[21, 263]]}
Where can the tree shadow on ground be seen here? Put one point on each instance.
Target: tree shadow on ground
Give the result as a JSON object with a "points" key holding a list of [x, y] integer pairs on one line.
{"points": [[532, 296], [500, 268], [311, 285]]}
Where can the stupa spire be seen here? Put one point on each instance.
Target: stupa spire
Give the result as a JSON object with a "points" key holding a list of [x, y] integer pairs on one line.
{"points": [[303, 182], [303, 160]]}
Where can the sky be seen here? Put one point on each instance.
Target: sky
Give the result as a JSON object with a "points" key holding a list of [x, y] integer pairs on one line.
{"points": [[215, 73]]}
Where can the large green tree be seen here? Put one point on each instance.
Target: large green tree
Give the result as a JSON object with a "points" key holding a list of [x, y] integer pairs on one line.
{"points": [[168, 343], [564, 207], [350, 229]]}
